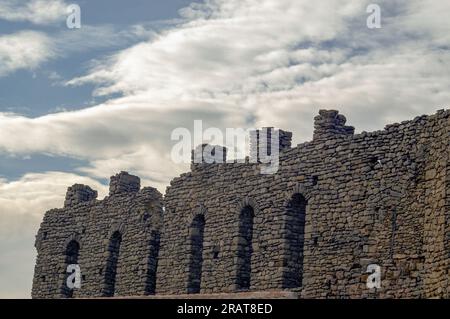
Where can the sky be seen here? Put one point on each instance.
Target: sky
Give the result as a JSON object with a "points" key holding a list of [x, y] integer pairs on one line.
{"points": [[79, 105]]}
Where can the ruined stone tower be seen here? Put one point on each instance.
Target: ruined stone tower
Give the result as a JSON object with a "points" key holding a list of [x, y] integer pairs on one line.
{"points": [[115, 241], [337, 204]]}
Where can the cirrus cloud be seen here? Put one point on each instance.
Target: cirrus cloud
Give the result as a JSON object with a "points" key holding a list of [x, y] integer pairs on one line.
{"points": [[34, 11]]}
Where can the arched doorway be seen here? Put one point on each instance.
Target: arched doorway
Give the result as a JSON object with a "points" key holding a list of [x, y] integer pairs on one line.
{"points": [[111, 264], [152, 263], [295, 239], [71, 258], [196, 231], [244, 248]]}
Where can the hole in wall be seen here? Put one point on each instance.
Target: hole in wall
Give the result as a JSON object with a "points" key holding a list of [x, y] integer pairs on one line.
{"points": [[44, 235], [315, 180], [315, 240], [216, 251], [356, 266], [373, 162]]}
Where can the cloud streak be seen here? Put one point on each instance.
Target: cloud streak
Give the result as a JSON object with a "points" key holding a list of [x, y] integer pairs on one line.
{"points": [[41, 12]]}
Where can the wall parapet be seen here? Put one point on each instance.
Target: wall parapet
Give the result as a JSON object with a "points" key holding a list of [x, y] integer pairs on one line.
{"points": [[124, 183], [330, 123], [79, 193]]}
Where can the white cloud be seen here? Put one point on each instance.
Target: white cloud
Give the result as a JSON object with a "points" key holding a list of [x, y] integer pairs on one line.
{"points": [[429, 18], [34, 11], [279, 62], [236, 51], [96, 37], [24, 50], [31, 49], [114, 137], [35, 192], [206, 55]]}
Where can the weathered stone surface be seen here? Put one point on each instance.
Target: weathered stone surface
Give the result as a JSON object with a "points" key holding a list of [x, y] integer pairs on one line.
{"points": [[135, 215], [337, 204]]}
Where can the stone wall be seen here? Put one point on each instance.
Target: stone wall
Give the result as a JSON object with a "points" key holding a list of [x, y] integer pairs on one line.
{"points": [[337, 204], [131, 215], [371, 198]]}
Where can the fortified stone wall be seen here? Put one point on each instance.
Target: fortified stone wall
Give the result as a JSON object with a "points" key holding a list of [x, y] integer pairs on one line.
{"points": [[337, 204], [115, 241], [370, 198]]}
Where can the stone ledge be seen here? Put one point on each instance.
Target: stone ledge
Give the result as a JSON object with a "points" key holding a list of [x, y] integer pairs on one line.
{"points": [[275, 294]]}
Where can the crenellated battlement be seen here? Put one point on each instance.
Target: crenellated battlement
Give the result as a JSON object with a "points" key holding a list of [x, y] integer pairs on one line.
{"points": [[262, 141], [79, 193], [124, 183], [330, 123], [208, 154]]}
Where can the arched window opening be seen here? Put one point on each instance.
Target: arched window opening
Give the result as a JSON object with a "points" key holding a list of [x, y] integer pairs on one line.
{"points": [[295, 236], [71, 258], [111, 264], [196, 254], [152, 265], [244, 248]]}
